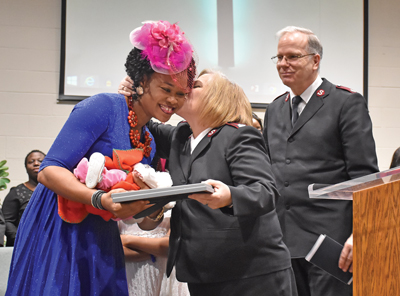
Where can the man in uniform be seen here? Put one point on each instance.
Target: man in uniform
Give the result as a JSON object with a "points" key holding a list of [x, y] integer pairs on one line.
{"points": [[316, 133]]}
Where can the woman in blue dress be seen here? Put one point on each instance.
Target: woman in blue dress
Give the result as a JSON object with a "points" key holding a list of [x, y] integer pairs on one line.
{"points": [[54, 257]]}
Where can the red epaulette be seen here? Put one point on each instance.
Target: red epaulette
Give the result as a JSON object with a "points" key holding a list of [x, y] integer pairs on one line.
{"points": [[346, 88], [215, 130], [234, 124], [285, 93]]}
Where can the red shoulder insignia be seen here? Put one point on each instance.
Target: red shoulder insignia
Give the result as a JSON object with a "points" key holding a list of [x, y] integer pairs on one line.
{"points": [[320, 93], [345, 88], [215, 130], [211, 132], [285, 93]]}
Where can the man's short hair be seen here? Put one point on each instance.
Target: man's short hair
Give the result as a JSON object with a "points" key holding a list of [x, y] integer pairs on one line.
{"points": [[314, 45]]}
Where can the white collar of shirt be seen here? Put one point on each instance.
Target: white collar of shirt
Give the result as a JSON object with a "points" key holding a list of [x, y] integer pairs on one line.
{"points": [[307, 94], [194, 142]]}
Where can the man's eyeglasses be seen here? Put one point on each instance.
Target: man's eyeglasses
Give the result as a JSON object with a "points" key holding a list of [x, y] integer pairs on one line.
{"points": [[289, 59]]}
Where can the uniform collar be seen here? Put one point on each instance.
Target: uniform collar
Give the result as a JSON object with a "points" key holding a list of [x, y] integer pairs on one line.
{"points": [[194, 142], [307, 94]]}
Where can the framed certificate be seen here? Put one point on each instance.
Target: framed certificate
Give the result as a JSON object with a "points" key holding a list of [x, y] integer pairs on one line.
{"points": [[162, 194]]}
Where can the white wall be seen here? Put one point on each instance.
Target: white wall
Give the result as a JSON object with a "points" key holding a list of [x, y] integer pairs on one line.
{"points": [[384, 77], [29, 71]]}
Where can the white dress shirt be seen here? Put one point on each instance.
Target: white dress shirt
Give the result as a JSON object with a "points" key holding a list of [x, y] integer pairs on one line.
{"points": [[306, 95]]}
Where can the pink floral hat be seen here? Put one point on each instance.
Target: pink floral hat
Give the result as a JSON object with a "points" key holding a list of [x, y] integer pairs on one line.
{"points": [[164, 45]]}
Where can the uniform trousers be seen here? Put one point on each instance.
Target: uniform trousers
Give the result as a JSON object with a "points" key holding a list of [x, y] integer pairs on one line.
{"points": [[280, 283], [313, 281]]}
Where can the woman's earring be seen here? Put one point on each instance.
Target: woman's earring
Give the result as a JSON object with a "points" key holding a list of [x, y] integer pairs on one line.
{"points": [[139, 90]]}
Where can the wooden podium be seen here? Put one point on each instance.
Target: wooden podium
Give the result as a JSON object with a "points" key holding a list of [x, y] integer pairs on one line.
{"points": [[376, 230]]}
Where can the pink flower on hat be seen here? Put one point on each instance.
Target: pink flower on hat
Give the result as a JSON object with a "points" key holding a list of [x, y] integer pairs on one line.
{"points": [[164, 45], [166, 34]]}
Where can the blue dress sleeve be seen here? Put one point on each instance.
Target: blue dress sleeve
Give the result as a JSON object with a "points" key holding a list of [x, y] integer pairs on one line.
{"points": [[86, 126]]}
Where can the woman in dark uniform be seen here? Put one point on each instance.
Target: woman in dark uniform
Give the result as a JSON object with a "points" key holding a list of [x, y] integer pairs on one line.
{"points": [[228, 242]]}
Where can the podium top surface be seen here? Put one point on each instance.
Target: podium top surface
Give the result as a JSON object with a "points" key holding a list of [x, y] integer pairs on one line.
{"points": [[344, 190]]}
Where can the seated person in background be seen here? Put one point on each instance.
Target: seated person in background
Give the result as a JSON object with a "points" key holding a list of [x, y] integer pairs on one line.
{"points": [[395, 159], [257, 123], [17, 199]]}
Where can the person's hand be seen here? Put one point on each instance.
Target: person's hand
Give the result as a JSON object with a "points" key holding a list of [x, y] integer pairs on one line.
{"points": [[126, 87], [219, 199], [346, 257], [123, 210], [137, 177]]}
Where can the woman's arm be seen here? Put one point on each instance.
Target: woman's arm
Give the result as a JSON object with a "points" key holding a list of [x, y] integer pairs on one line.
{"points": [[162, 134], [254, 191], [221, 197], [157, 246], [64, 183], [135, 255], [84, 132]]}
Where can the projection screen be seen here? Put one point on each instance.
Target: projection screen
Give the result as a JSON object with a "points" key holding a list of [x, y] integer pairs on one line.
{"points": [[236, 37]]}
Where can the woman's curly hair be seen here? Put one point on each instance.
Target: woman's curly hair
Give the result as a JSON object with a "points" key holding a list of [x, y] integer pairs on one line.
{"points": [[138, 69]]}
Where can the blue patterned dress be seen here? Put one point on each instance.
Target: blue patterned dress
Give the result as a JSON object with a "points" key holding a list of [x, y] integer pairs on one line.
{"points": [[53, 257]]}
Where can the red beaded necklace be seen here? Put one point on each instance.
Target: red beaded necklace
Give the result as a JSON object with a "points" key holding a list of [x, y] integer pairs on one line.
{"points": [[134, 135]]}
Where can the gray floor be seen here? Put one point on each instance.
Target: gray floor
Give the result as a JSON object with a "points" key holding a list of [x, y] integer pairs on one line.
{"points": [[5, 260]]}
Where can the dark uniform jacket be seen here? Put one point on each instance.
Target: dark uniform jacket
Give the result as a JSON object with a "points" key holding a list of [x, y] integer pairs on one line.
{"points": [[331, 142], [244, 241]]}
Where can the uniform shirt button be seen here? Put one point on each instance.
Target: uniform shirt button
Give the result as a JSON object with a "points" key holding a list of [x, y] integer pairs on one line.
{"points": [[291, 140], [286, 184], [287, 161], [287, 206]]}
